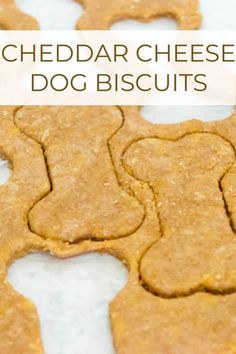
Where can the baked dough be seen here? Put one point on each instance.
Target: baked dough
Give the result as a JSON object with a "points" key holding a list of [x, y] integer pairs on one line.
{"points": [[86, 200], [19, 328], [142, 322], [186, 12], [197, 248], [11, 18]]}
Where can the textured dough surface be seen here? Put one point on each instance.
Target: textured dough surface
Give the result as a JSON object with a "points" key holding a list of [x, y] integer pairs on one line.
{"points": [[11, 18], [86, 200], [200, 323], [100, 15], [136, 314], [186, 12], [179, 324], [142, 322], [197, 247], [26, 186]]}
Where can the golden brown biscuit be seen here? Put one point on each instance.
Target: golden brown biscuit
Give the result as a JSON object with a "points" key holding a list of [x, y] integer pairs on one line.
{"points": [[28, 183], [19, 325], [197, 248], [86, 200], [11, 18], [130, 308], [22, 313], [146, 324], [141, 321], [17, 312], [101, 14]]}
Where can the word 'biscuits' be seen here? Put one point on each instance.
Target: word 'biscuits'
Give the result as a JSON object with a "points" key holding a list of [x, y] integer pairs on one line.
{"points": [[86, 200], [186, 12]]}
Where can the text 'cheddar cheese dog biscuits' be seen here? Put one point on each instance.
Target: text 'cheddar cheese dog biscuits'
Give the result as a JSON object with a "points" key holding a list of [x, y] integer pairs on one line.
{"points": [[86, 200], [11, 18], [142, 322], [101, 14]]}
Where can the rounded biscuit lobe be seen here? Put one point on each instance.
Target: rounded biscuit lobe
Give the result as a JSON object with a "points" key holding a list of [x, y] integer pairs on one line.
{"points": [[201, 323]]}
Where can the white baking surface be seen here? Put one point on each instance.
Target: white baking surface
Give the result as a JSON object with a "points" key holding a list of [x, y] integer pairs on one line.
{"points": [[72, 298], [72, 295], [5, 171], [53, 14]]}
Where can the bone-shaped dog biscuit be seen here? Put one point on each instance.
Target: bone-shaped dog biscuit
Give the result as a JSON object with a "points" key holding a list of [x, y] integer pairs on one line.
{"points": [[197, 248], [86, 200]]}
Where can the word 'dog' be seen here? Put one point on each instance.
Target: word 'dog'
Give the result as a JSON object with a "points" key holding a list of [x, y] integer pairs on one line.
{"points": [[59, 82]]}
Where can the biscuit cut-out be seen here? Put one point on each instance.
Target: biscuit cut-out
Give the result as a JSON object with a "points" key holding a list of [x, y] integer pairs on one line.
{"points": [[197, 248], [160, 24], [11, 18], [176, 114], [67, 13], [186, 12], [79, 311], [86, 201]]}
